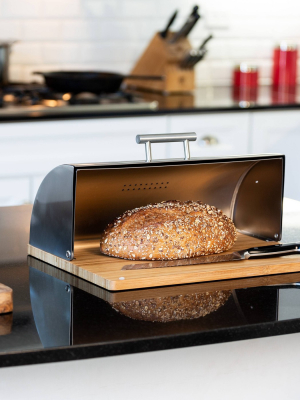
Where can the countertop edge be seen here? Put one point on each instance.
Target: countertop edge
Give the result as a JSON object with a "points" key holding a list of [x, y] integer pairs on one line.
{"points": [[82, 352], [141, 113]]}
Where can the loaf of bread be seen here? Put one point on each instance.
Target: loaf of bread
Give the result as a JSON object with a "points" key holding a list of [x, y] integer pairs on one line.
{"points": [[173, 308], [169, 230]]}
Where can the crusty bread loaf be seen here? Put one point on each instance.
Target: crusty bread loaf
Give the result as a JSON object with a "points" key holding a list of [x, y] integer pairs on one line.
{"points": [[169, 230], [173, 308]]}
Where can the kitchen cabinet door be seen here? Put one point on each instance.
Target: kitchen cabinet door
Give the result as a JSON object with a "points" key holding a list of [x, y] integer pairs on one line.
{"points": [[217, 134], [29, 150], [279, 132]]}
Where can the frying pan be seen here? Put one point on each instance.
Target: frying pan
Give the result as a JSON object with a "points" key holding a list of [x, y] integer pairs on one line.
{"points": [[88, 81]]}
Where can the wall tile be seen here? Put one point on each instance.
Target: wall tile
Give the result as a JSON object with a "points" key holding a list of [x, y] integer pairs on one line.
{"points": [[139, 9], [62, 9], [10, 30], [16, 73], [59, 53], [26, 53], [114, 52], [103, 9], [21, 9], [41, 30], [81, 30]]}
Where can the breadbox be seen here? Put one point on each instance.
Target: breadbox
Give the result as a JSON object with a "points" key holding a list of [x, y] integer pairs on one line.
{"points": [[75, 202]]}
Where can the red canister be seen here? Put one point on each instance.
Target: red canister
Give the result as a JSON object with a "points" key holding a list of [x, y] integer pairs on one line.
{"points": [[245, 75], [245, 83], [285, 65]]}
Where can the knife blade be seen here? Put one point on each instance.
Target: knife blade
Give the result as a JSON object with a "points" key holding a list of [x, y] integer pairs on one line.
{"points": [[253, 252], [187, 27], [164, 33]]}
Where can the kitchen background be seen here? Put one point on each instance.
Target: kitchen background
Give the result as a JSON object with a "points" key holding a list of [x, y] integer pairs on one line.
{"points": [[111, 34]]}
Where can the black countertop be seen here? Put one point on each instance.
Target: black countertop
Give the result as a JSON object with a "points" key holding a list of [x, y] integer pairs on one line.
{"points": [[58, 317], [202, 100]]}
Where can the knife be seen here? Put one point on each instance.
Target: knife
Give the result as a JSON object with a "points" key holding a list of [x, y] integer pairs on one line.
{"points": [[194, 56], [205, 42], [164, 33], [188, 26], [254, 252]]}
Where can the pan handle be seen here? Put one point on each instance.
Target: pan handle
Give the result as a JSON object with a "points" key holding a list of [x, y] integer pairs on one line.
{"points": [[146, 77], [166, 137]]}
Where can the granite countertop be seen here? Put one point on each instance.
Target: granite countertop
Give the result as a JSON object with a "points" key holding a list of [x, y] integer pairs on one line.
{"points": [[202, 100], [58, 317]]}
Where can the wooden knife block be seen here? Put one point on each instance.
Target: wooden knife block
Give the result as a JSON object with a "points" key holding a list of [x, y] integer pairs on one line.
{"points": [[164, 58]]}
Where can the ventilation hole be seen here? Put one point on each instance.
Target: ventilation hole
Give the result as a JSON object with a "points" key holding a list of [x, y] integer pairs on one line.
{"points": [[144, 188], [139, 186]]}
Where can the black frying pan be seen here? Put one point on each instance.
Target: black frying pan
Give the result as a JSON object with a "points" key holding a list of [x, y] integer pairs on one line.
{"points": [[88, 81]]}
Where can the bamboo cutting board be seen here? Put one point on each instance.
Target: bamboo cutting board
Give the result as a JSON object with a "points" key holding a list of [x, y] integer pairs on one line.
{"points": [[107, 271]]}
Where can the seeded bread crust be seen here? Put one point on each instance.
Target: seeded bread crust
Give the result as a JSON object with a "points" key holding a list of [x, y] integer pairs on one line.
{"points": [[173, 308], [169, 230]]}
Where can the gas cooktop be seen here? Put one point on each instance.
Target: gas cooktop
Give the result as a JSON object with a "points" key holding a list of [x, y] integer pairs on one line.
{"points": [[31, 99]]}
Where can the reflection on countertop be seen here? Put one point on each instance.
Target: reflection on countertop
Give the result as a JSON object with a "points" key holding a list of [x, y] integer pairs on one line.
{"points": [[226, 98], [54, 310]]}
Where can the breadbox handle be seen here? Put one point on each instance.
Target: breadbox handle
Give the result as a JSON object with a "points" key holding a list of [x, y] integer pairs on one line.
{"points": [[165, 138]]}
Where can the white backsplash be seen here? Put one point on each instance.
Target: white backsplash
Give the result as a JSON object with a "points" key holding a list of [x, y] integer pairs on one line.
{"points": [[111, 34]]}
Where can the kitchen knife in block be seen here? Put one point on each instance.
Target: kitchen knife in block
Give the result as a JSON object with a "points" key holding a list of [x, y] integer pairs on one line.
{"points": [[6, 299], [254, 252]]}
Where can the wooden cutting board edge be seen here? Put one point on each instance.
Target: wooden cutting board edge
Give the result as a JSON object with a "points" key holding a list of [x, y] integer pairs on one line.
{"points": [[149, 293], [172, 275]]}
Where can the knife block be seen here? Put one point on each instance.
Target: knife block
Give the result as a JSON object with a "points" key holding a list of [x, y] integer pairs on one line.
{"points": [[164, 58]]}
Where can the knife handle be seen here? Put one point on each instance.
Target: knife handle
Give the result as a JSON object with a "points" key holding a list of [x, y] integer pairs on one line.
{"points": [[265, 251]]}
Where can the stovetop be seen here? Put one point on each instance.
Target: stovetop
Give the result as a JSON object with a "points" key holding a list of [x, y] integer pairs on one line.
{"points": [[21, 101], [26, 99]]}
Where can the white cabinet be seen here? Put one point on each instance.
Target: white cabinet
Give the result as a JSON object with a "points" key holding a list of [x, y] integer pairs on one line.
{"points": [[29, 150], [279, 132], [218, 134]]}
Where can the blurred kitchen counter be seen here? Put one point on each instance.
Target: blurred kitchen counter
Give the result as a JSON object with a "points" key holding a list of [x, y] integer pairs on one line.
{"points": [[202, 100], [226, 98]]}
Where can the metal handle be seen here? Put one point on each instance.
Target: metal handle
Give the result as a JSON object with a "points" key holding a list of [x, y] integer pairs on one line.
{"points": [[166, 137], [265, 251]]}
